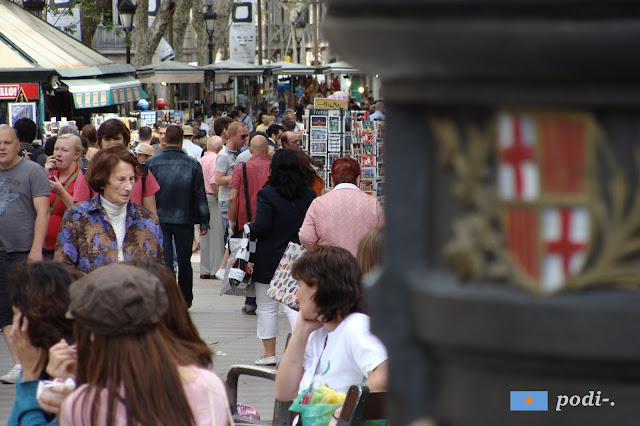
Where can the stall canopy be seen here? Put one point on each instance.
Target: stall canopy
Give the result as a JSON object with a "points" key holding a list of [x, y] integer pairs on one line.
{"points": [[339, 68], [290, 68], [171, 72], [104, 91], [29, 44], [240, 69]]}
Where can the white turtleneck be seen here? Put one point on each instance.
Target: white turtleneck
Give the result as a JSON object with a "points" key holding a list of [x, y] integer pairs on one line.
{"points": [[118, 217]]}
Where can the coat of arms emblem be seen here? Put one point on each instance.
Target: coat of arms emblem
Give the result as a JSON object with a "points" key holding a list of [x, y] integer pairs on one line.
{"points": [[542, 188], [552, 205]]}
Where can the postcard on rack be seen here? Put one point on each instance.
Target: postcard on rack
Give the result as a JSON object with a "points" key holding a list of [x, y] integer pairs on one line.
{"points": [[334, 124], [320, 161], [367, 137], [368, 161], [356, 149], [366, 184], [348, 121], [318, 148], [368, 173], [319, 121], [331, 158], [380, 169], [368, 149], [367, 126], [380, 152], [318, 134]]}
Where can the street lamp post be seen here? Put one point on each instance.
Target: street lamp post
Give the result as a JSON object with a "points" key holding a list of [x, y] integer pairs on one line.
{"points": [[34, 6], [126, 10], [210, 21], [298, 31]]}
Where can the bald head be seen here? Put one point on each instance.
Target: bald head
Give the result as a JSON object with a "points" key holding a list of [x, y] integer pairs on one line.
{"points": [[214, 144], [290, 140], [259, 145], [9, 132]]}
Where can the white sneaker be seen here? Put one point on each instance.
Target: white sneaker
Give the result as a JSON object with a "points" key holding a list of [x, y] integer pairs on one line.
{"points": [[270, 360], [220, 274], [12, 375]]}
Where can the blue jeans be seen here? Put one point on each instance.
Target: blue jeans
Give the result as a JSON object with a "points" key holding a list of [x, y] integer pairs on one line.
{"points": [[182, 235]]}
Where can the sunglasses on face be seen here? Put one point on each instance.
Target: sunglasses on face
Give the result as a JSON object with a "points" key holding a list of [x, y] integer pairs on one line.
{"points": [[244, 136]]}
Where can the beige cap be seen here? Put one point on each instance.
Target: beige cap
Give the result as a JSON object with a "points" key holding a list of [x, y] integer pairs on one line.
{"points": [[144, 149], [187, 130]]}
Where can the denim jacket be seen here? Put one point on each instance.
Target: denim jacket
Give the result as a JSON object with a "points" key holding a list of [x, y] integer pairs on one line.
{"points": [[182, 199], [87, 240]]}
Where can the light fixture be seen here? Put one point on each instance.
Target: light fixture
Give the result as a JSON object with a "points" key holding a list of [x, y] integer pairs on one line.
{"points": [[163, 83], [360, 89], [34, 6], [298, 31], [347, 80], [210, 22], [126, 10]]}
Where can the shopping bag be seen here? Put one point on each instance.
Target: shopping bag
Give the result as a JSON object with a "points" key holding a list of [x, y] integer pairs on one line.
{"points": [[239, 268], [312, 413], [283, 287]]}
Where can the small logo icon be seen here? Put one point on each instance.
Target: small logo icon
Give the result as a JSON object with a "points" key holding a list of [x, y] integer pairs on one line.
{"points": [[529, 400]]}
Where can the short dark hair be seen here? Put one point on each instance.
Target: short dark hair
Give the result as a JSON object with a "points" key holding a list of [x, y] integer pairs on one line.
{"points": [[40, 291], [113, 128], [174, 135], [345, 170], [337, 277], [288, 123], [198, 114], [241, 108], [26, 130], [221, 124], [103, 163], [233, 114], [273, 130], [144, 133], [90, 132]]}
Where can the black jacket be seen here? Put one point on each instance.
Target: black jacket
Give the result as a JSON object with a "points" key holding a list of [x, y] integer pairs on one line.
{"points": [[277, 222], [182, 199], [35, 154]]}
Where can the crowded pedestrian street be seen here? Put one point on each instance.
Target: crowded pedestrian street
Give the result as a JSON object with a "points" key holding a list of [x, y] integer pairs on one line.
{"points": [[228, 332]]}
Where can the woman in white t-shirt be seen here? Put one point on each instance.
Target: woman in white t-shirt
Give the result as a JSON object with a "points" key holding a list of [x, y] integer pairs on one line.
{"points": [[331, 343]]}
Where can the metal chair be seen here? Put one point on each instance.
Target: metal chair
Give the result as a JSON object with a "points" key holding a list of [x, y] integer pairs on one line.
{"points": [[362, 404]]}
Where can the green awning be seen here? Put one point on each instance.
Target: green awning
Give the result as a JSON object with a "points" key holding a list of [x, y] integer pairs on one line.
{"points": [[104, 91]]}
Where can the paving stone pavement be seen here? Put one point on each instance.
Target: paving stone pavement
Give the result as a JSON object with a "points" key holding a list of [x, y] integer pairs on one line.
{"points": [[221, 324]]}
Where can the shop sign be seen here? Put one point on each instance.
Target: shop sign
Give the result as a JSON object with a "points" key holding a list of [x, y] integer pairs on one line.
{"points": [[13, 91], [324, 103]]}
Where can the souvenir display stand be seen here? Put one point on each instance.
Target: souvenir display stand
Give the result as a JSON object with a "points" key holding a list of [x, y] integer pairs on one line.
{"points": [[335, 133]]}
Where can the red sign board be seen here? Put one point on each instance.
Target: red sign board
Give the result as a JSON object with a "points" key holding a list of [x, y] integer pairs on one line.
{"points": [[11, 91]]}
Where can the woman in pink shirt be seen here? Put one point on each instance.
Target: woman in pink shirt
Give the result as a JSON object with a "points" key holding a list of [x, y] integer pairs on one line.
{"points": [[342, 216]]}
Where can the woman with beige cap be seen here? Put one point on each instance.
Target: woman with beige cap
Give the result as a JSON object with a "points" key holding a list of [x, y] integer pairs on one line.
{"points": [[126, 371]]}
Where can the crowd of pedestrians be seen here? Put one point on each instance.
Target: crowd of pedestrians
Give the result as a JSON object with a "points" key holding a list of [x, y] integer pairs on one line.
{"points": [[96, 277]]}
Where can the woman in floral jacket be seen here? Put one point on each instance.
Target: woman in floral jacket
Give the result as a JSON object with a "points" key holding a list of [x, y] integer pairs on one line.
{"points": [[109, 228]]}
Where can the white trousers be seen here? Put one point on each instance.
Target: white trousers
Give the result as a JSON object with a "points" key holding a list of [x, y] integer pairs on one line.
{"points": [[267, 311]]}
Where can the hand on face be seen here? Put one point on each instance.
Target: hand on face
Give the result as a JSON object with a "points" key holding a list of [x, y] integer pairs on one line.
{"points": [[30, 356]]}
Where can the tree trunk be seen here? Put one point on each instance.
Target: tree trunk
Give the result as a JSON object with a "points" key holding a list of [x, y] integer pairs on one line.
{"points": [[90, 19], [197, 20], [147, 38], [180, 23], [221, 35]]}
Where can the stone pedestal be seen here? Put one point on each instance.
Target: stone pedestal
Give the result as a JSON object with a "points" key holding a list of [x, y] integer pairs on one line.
{"points": [[452, 308]]}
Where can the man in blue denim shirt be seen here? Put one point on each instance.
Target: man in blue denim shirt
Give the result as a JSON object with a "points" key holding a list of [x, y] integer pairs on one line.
{"points": [[181, 203]]}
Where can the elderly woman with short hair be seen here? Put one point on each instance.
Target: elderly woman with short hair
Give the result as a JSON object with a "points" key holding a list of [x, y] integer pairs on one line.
{"points": [[109, 227]]}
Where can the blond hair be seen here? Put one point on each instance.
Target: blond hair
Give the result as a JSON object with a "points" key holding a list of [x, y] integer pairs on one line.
{"points": [[370, 249]]}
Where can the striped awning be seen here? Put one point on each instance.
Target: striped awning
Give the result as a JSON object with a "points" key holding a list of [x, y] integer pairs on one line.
{"points": [[104, 91]]}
